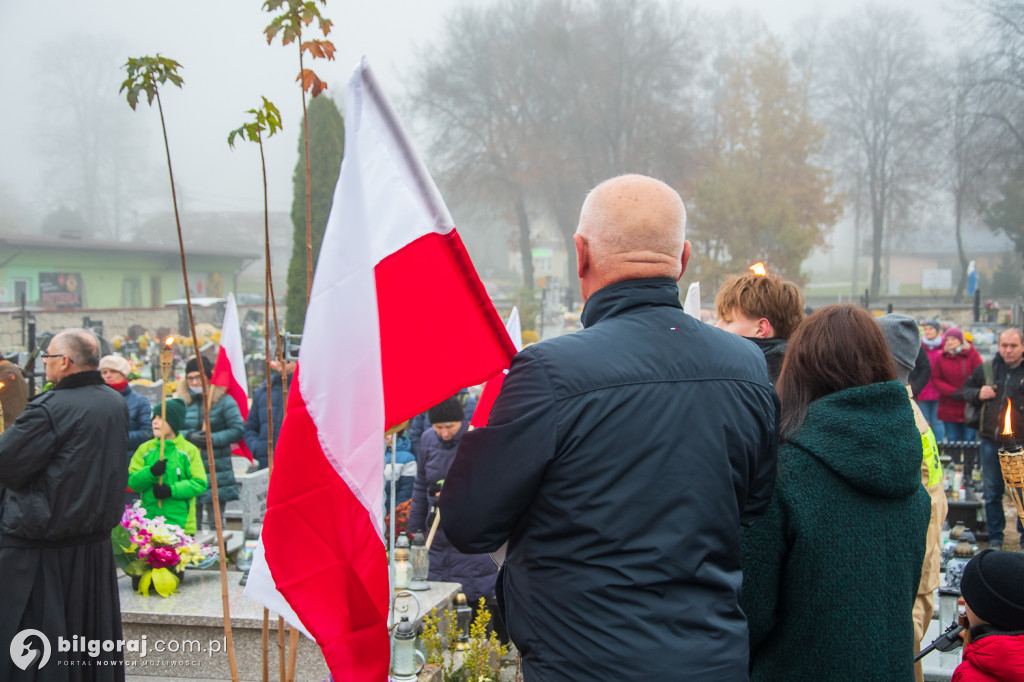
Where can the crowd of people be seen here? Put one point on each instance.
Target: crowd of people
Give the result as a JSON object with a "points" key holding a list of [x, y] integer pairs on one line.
{"points": [[676, 502], [664, 499], [73, 457]]}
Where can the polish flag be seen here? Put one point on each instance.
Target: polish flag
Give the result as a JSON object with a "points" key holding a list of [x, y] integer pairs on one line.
{"points": [[229, 370], [493, 386], [397, 322]]}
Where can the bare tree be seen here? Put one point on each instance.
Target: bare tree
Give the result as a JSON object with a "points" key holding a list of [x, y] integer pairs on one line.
{"points": [[878, 95], [998, 70], [91, 145], [474, 90], [974, 140], [533, 102]]}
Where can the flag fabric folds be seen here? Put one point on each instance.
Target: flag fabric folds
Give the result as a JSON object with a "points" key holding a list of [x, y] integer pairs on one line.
{"points": [[229, 370], [691, 306], [397, 321], [493, 386]]}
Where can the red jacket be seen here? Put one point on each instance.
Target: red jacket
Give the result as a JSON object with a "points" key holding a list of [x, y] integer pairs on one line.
{"points": [[929, 392], [949, 371], [995, 658]]}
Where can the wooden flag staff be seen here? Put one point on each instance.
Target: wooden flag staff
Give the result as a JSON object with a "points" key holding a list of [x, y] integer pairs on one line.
{"points": [[145, 76]]}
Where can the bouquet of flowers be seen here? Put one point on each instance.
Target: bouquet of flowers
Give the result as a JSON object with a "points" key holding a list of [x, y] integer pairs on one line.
{"points": [[154, 551]]}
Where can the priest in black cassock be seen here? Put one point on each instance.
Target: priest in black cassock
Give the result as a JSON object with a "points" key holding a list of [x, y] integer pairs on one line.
{"points": [[62, 480]]}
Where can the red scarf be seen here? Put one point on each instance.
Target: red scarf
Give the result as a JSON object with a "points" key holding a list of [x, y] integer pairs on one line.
{"points": [[119, 386]]}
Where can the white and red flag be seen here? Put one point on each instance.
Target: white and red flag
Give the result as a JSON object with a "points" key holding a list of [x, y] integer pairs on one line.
{"points": [[397, 322], [229, 370], [493, 386]]}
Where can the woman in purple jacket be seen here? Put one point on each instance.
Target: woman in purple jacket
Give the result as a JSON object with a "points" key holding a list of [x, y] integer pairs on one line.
{"points": [[476, 572]]}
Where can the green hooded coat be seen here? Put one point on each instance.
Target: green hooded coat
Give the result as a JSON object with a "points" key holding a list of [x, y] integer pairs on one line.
{"points": [[831, 571], [184, 474]]}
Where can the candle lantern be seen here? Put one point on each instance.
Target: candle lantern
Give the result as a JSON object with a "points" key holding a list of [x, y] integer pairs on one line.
{"points": [[419, 555], [965, 549], [949, 546], [402, 568], [463, 620], [1011, 461], [404, 652], [402, 542]]}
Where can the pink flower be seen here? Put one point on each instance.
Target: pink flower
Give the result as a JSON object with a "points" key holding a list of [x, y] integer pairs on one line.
{"points": [[162, 557]]}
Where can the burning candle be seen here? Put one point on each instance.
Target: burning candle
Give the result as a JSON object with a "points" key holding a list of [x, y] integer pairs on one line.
{"points": [[1011, 461], [3, 424], [758, 269]]}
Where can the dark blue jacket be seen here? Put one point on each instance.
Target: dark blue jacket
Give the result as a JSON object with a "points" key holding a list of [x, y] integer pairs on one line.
{"points": [[140, 420], [226, 428], [620, 463], [256, 422], [476, 572]]}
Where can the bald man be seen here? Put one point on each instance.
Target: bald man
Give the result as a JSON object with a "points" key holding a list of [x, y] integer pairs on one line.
{"points": [[62, 480], [619, 464]]}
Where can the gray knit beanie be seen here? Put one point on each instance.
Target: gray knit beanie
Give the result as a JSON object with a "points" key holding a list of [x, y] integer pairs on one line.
{"points": [[904, 341]]}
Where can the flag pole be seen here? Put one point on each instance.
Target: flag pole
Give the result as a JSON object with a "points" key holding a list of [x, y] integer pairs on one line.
{"points": [[212, 466], [392, 505]]}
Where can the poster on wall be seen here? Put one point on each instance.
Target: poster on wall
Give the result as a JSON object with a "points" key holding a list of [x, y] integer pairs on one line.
{"points": [[60, 290]]}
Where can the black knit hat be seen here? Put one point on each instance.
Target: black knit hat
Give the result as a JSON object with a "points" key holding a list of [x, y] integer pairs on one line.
{"points": [[175, 414], [993, 587], [193, 366], [448, 411]]}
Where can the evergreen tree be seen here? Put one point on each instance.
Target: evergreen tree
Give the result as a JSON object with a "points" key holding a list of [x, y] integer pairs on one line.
{"points": [[326, 147]]}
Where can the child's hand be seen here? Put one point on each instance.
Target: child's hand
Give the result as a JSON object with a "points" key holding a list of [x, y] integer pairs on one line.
{"points": [[158, 467], [162, 491]]}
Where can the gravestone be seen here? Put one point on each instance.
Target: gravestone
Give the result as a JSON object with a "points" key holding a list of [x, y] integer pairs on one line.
{"points": [[253, 497]]}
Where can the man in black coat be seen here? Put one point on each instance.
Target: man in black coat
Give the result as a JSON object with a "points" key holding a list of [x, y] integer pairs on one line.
{"points": [[62, 480], [619, 464], [1007, 384]]}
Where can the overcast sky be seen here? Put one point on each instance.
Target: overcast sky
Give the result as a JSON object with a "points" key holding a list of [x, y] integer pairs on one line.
{"points": [[227, 67]]}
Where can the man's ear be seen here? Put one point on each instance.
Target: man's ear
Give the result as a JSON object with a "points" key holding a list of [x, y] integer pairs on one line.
{"points": [[685, 259], [764, 328], [582, 254]]}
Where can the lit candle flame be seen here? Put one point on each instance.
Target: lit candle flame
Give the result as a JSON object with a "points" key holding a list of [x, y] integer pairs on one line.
{"points": [[1007, 429], [1, 384], [758, 269], [169, 341]]}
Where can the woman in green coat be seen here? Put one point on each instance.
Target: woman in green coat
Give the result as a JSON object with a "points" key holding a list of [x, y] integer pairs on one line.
{"points": [[169, 486], [830, 572]]}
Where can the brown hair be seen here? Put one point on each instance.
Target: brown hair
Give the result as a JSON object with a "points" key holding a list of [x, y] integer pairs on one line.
{"points": [[837, 347], [769, 296]]}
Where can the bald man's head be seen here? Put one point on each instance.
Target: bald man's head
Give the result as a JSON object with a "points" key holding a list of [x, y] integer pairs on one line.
{"points": [[631, 227]]}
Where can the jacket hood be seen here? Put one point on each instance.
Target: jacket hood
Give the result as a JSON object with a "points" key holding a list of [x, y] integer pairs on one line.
{"points": [[216, 393], [867, 436]]}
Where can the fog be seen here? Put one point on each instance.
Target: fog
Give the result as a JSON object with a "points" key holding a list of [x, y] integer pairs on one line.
{"points": [[227, 66]]}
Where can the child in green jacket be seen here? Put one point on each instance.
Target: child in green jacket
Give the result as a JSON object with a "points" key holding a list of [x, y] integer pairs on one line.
{"points": [[184, 477]]}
